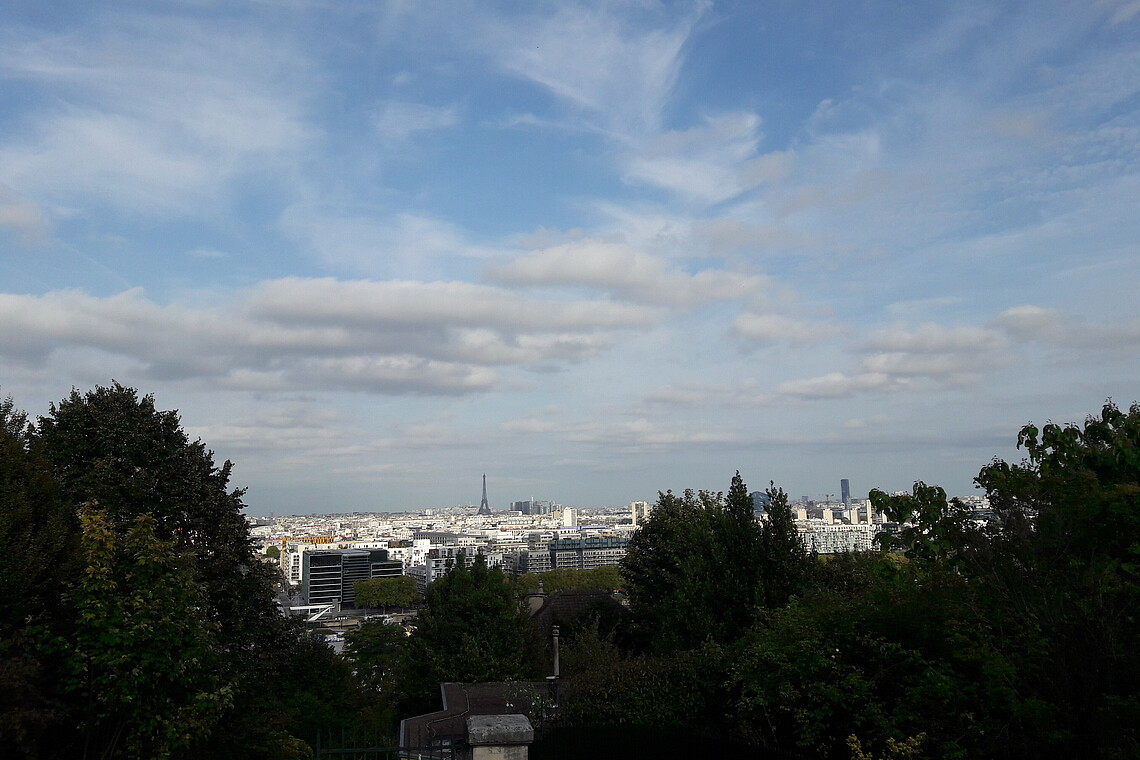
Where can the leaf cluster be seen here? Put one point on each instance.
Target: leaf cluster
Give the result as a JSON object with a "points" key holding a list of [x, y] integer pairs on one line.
{"points": [[146, 627]]}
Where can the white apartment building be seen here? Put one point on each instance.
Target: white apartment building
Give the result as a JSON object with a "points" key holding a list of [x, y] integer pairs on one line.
{"points": [[837, 538]]}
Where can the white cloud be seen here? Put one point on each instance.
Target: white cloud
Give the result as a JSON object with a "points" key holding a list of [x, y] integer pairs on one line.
{"points": [[839, 385], [625, 272], [1053, 327], [934, 339], [382, 337], [899, 358], [27, 219], [1030, 322], [634, 435], [461, 304], [154, 115]]}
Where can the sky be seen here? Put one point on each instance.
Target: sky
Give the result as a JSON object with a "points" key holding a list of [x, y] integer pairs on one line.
{"points": [[373, 250]]}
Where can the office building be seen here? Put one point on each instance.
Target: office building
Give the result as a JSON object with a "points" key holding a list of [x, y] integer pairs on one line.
{"points": [[579, 553], [329, 576], [640, 511]]}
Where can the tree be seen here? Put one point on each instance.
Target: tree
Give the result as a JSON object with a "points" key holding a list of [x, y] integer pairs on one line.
{"points": [[114, 448], [386, 592], [701, 564], [783, 560], [39, 536], [668, 575], [471, 628], [603, 578], [1062, 578], [37, 530], [377, 652], [142, 661], [934, 528]]}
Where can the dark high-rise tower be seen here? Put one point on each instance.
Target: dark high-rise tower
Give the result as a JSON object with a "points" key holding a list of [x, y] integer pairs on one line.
{"points": [[845, 491], [484, 507]]}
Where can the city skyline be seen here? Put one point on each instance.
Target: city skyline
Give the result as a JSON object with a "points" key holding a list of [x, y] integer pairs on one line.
{"points": [[595, 250]]}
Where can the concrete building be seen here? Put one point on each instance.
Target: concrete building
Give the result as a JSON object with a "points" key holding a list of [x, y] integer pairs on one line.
{"points": [[640, 511], [532, 507], [442, 558], [329, 576], [837, 538], [579, 553]]}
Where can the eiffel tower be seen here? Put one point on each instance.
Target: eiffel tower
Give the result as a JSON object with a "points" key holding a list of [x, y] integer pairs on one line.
{"points": [[484, 507]]}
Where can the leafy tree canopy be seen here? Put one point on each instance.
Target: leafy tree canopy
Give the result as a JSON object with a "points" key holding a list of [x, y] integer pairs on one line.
{"points": [[471, 628], [387, 592], [701, 564], [604, 578]]}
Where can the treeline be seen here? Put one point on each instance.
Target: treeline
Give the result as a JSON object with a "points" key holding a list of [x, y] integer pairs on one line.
{"points": [[137, 620], [140, 624], [1014, 638], [1017, 638]]}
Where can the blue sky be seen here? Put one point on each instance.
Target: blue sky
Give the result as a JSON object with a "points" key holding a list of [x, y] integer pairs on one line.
{"points": [[373, 250]]}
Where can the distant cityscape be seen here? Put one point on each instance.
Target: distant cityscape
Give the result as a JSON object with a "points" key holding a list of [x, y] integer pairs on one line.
{"points": [[323, 555]]}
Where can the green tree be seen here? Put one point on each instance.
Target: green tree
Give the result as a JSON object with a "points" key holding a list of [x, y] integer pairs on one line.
{"points": [[1062, 580], [37, 530], [783, 560], [604, 578], [39, 536], [933, 527], [273, 551], [387, 592], [377, 651], [112, 447], [142, 658], [668, 575], [701, 565], [471, 628]]}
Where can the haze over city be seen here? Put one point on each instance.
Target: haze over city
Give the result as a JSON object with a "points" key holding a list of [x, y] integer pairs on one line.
{"points": [[372, 251]]}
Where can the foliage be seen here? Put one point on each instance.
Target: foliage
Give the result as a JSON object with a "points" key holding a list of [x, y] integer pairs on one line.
{"points": [[679, 690], [39, 535], [114, 448], [377, 652], [38, 532], [604, 578], [933, 527], [701, 565], [783, 562], [907, 748], [167, 633], [1062, 579], [874, 648], [142, 657], [387, 592], [471, 628]]}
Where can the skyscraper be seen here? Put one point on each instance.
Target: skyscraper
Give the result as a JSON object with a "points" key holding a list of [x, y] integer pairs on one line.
{"points": [[484, 507], [845, 491]]}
